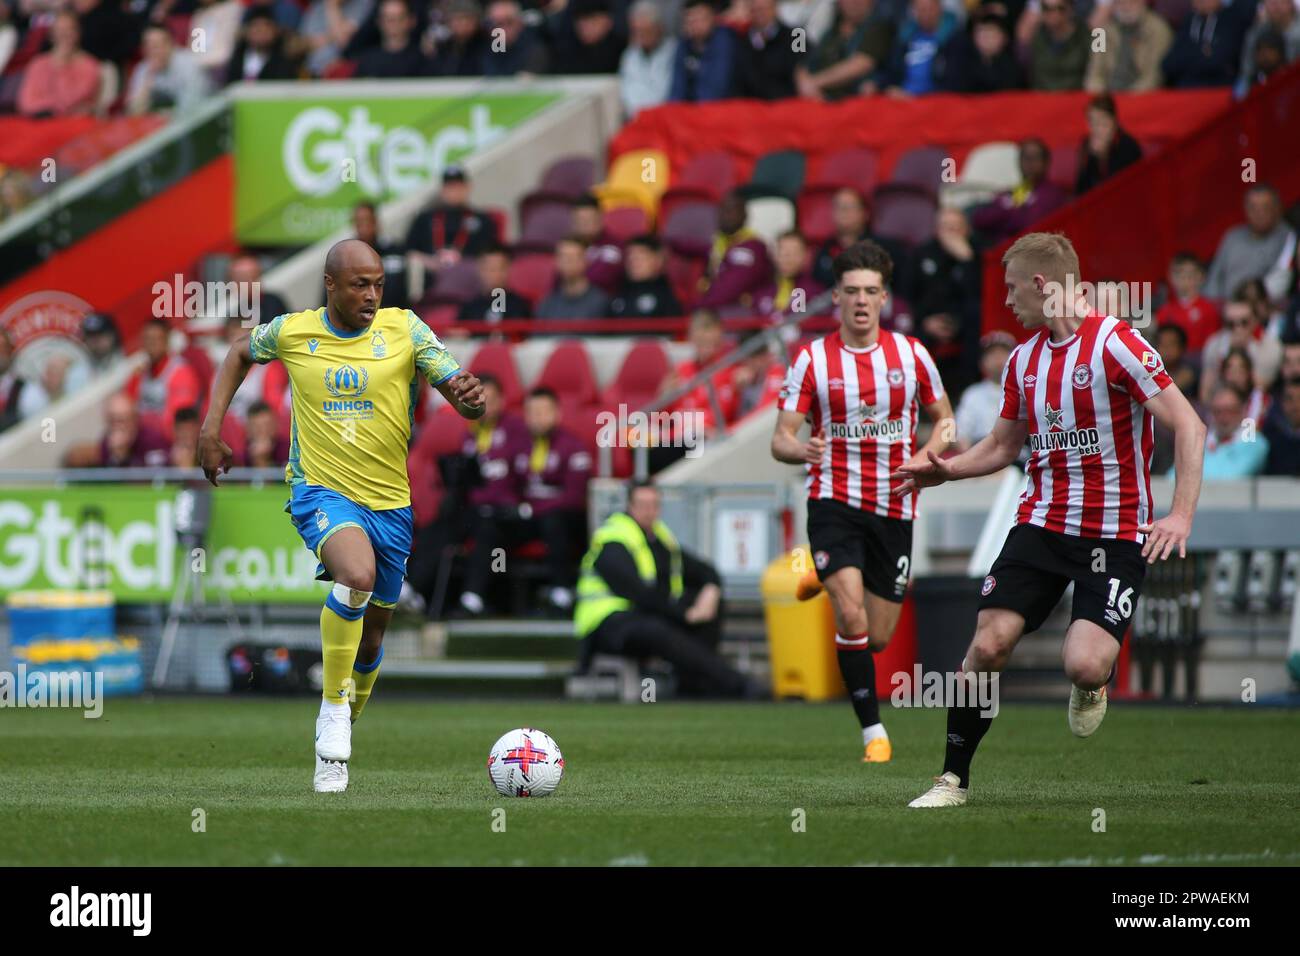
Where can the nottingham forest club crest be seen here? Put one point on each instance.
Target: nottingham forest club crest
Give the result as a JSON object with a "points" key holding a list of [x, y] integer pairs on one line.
{"points": [[377, 347]]}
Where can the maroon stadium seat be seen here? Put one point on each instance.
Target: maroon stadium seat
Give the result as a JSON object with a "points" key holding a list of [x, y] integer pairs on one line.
{"points": [[624, 222], [496, 359], [532, 275], [690, 228], [905, 213], [544, 224], [1064, 170], [571, 176], [848, 167], [684, 273], [1174, 11], [814, 207], [455, 283], [922, 166]]}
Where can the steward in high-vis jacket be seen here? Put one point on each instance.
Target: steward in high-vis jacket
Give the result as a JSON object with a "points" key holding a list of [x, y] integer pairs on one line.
{"points": [[639, 595]]}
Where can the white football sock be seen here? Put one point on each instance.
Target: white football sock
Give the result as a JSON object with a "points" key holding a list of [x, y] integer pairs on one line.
{"points": [[871, 733]]}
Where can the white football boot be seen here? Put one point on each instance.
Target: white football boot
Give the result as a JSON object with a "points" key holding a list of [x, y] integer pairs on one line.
{"points": [[944, 793], [333, 750], [1087, 708]]}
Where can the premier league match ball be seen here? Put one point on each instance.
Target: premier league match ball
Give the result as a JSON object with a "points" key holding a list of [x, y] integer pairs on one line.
{"points": [[525, 763]]}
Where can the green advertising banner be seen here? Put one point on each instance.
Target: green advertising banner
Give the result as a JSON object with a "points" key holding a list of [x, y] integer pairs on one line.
{"points": [[301, 164], [49, 537]]}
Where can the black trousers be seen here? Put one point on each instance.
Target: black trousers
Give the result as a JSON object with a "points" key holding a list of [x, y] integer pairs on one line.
{"points": [[561, 532], [692, 651]]}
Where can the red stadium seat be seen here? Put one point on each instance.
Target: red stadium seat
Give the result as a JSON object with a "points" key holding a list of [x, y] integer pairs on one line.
{"points": [[569, 374], [922, 167], [502, 221], [849, 167], [232, 433], [639, 378], [441, 435], [440, 318], [1064, 170], [178, 25], [625, 222], [705, 176], [814, 212], [496, 359], [532, 275], [905, 213]]}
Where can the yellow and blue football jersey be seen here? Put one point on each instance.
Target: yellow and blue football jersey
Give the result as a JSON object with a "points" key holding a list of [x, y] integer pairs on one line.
{"points": [[354, 398]]}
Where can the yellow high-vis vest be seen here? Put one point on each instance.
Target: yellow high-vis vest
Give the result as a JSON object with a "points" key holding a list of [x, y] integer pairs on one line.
{"points": [[595, 601]]}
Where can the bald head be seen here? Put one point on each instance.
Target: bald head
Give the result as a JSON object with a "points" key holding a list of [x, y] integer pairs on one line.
{"points": [[351, 254], [354, 283]]}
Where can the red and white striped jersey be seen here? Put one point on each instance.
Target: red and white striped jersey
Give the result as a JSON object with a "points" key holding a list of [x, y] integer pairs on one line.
{"points": [[1090, 437], [863, 402]]}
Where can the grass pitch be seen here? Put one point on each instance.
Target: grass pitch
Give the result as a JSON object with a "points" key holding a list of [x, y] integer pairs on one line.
{"points": [[656, 784]]}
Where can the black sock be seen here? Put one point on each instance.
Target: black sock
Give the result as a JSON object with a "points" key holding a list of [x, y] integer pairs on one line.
{"points": [[859, 671], [966, 728]]}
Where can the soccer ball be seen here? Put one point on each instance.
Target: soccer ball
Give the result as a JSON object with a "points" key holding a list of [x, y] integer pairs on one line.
{"points": [[525, 763]]}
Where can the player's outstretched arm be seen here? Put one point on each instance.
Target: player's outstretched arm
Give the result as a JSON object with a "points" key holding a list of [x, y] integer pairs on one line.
{"points": [[994, 452], [465, 393], [214, 454], [786, 446], [944, 433], [1172, 409]]}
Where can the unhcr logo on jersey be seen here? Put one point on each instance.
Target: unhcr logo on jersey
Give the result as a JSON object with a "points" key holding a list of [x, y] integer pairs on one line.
{"points": [[347, 384]]}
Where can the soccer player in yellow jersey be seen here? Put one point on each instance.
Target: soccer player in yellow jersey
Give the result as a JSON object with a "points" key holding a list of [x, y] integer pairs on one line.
{"points": [[353, 371]]}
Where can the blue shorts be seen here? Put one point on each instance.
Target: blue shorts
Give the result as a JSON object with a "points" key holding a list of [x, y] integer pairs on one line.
{"points": [[318, 512]]}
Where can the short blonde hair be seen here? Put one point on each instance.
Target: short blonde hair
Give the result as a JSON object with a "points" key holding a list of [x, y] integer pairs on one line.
{"points": [[1050, 253]]}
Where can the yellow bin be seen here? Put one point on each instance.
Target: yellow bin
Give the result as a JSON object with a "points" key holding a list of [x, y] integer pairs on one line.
{"points": [[800, 634]]}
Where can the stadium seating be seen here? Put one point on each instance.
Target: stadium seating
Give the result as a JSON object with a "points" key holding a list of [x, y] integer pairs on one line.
{"points": [[904, 212], [625, 222], [1064, 170], [770, 216], [779, 173], [922, 167], [814, 213], [637, 178], [570, 177], [455, 283], [569, 374], [639, 378], [543, 225], [690, 229], [532, 275], [849, 167], [495, 359]]}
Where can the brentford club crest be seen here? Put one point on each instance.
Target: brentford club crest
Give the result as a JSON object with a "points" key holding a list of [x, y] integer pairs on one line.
{"points": [[990, 583], [895, 378], [1082, 376], [821, 558]]}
